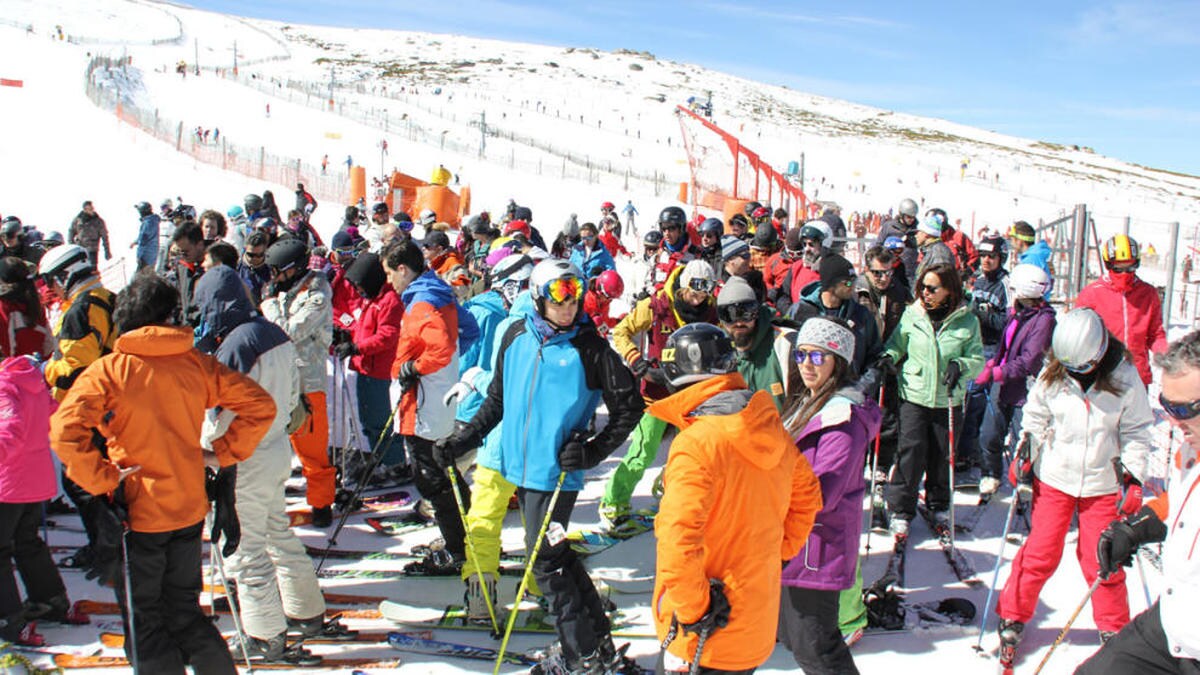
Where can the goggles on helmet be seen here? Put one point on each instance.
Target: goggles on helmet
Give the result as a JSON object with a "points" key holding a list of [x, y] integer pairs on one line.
{"points": [[563, 289], [702, 285]]}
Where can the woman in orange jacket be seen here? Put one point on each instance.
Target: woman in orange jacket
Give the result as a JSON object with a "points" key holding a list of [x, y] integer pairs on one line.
{"points": [[738, 499], [148, 399]]}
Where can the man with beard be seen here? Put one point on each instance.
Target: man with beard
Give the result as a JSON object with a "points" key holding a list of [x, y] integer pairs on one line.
{"points": [[834, 296], [763, 348]]}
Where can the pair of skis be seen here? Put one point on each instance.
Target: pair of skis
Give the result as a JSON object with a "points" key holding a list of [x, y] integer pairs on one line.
{"points": [[963, 570]]}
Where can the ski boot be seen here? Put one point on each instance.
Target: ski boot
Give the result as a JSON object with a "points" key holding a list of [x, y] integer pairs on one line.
{"points": [[612, 516], [550, 661], [318, 627], [478, 611], [16, 630], [55, 610], [322, 516], [222, 603], [275, 651], [608, 659], [436, 564], [422, 550], [1010, 636]]}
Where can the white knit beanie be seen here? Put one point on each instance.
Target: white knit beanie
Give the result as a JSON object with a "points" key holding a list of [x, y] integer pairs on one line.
{"points": [[828, 335]]}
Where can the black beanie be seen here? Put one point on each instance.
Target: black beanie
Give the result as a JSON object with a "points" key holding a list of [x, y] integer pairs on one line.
{"points": [[833, 269], [367, 273]]}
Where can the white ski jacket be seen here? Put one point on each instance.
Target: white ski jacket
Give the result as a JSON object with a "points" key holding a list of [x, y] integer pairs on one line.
{"points": [[1181, 560], [1077, 435]]}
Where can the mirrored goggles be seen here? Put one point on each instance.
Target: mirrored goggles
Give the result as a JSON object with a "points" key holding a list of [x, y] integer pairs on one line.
{"points": [[563, 289]]}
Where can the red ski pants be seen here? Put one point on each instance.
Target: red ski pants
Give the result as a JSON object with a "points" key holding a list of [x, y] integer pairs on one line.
{"points": [[310, 444], [1039, 557]]}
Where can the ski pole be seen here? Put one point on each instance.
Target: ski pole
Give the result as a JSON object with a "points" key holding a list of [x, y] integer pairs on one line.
{"points": [[1063, 633], [950, 410], [133, 655], [462, 512], [376, 458], [1008, 519], [219, 565], [537, 545], [695, 668], [874, 468]]}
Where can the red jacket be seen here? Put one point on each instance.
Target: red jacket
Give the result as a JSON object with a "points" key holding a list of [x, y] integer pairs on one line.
{"points": [[613, 244], [346, 300], [775, 270], [1134, 316], [964, 250], [376, 333], [596, 305]]}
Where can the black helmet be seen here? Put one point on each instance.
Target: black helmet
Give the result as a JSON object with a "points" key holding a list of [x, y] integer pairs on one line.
{"points": [[144, 209], [379, 207], [253, 204], [712, 225], [697, 352], [750, 207], [653, 238], [672, 215], [287, 253], [11, 226]]}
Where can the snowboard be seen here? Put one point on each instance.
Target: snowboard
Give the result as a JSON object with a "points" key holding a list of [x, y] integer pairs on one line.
{"points": [[392, 526], [594, 540], [454, 617]]}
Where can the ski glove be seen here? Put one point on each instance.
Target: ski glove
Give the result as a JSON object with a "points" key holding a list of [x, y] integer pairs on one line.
{"points": [[222, 492], [408, 375], [110, 519], [639, 367], [446, 451], [717, 614], [887, 364], [341, 335], [1121, 539], [1129, 500], [578, 454], [658, 376], [1020, 472], [953, 375], [463, 387], [345, 350]]}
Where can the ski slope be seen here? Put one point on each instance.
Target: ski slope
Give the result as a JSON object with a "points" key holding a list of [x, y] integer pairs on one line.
{"points": [[57, 149]]}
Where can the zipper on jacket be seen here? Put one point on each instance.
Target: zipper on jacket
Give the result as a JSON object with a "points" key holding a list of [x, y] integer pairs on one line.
{"points": [[528, 408]]}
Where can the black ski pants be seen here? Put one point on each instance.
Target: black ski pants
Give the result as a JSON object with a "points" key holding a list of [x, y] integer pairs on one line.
{"points": [[808, 626], [20, 543], [434, 485], [889, 432], [578, 612], [1141, 647], [171, 630], [923, 452]]}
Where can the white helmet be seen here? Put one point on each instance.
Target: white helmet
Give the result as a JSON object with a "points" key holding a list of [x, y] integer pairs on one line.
{"points": [[427, 218], [511, 275], [907, 208], [1080, 340], [548, 270], [66, 264], [821, 226], [1028, 282]]}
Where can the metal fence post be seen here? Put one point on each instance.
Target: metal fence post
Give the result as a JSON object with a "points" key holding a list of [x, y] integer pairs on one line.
{"points": [[1172, 255]]}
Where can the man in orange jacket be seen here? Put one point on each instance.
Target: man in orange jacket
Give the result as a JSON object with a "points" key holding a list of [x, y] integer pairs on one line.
{"points": [[738, 498], [148, 398]]}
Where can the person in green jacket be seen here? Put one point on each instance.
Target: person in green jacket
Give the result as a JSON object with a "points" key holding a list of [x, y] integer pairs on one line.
{"points": [[763, 347], [937, 350]]}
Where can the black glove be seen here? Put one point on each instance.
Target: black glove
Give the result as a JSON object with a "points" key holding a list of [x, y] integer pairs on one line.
{"points": [[885, 364], [953, 374], [639, 367], [345, 350], [717, 614], [408, 375], [657, 376], [111, 515], [446, 451], [222, 492], [341, 335], [1121, 539], [578, 454]]}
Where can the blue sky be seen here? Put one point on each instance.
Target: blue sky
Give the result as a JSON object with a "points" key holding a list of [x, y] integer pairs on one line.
{"points": [[1120, 77]]}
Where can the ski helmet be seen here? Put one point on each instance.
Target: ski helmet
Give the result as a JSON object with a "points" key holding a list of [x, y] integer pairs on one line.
{"points": [[610, 284], [1121, 250], [818, 230], [287, 253], [144, 209], [234, 212], [558, 281], [1080, 340], [711, 226], [672, 216], [428, 217], [66, 265], [941, 216], [761, 213], [53, 238], [11, 226], [607, 206], [253, 203], [907, 208], [994, 245], [652, 238], [512, 269], [1028, 282], [893, 243], [750, 207], [696, 352]]}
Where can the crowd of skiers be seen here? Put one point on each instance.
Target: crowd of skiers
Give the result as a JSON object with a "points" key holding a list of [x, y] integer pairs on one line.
{"points": [[796, 385]]}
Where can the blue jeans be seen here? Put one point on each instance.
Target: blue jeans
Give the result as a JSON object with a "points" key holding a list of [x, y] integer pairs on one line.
{"points": [[375, 413], [977, 404], [994, 434]]}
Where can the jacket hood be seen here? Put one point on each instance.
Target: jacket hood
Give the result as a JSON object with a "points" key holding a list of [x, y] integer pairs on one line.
{"points": [[156, 341], [725, 395], [848, 403], [223, 301], [428, 288], [367, 273], [21, 371], [523, 305]]}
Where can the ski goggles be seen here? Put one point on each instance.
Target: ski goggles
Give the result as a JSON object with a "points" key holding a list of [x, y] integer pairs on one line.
{"points": [[1125, 267], [1083, 368], [814, 356], [701, 285], [563, 289], [1179, 411], [737, 312]]}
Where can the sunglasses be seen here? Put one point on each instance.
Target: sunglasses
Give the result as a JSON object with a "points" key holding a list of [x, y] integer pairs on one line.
{"points": [[931, 289], [815, 357], [880, 274], [702, 285], [255, 256], [1127, 267], [709, 235], [738, 312], [668, 227], [563, 290], [1180, 411], [989, 255], [346, 252]]}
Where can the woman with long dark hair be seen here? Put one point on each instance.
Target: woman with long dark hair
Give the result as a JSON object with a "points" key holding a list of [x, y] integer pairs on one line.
{"points": [[1088, 419], [832, 422], [937, 350]]}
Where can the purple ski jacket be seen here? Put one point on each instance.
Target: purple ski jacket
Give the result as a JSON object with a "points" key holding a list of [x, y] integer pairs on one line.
{"points": [[835, 442], [1022, 351]]}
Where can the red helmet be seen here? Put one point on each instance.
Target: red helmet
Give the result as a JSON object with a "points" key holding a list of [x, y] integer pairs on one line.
{"points": [[761, 212], [607, 206], [610, 284]]}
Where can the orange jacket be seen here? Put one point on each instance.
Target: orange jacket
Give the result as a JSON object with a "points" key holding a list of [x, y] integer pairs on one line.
{"points": [[148, 399], [739, 499], [450, 267]]}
